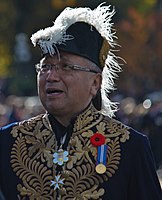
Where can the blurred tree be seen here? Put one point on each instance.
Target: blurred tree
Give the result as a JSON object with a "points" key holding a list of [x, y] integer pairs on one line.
{"points": [[139, 28], [30, 16], [5, 60], [140, 37], [7, 29], [63, 3]]}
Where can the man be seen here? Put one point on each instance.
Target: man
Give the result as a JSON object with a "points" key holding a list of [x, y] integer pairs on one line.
{"points": [[76, 150]]}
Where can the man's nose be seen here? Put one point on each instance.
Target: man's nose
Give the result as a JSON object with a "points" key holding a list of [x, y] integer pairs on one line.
{"points": [[53, 74]]}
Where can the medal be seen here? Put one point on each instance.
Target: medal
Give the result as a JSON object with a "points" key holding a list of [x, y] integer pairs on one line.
{"points": [[60, 157], [100, 168], [101, 159], [57, 182]]}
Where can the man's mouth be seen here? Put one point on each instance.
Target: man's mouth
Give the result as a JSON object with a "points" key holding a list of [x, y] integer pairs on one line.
{"points": [[51, 91]]}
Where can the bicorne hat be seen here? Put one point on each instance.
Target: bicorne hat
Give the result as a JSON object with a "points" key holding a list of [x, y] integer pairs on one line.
{"points": [[87, 33]]}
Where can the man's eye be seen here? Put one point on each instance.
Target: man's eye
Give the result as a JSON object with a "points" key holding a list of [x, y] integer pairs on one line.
{"points": [[67, 67], [45, 67]]}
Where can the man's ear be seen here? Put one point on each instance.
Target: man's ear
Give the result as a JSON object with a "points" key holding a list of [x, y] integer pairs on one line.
{"points": [[96, 85]]}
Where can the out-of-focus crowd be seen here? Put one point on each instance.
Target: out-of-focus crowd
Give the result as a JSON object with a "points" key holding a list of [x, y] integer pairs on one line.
{"points": [[146, 116], [16, 108]]}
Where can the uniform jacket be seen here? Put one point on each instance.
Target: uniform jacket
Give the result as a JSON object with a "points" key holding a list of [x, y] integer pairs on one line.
{"points": [[27, 169]]}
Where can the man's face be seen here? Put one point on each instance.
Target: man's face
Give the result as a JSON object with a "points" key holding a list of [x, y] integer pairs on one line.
{"points": [[67, 92]]}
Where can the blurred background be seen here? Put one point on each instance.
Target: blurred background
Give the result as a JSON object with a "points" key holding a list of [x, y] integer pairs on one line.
{"points": [[139, 88]]}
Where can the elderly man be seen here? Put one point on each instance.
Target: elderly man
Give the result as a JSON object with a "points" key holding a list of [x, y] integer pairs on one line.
{"points": [[76, 150]]}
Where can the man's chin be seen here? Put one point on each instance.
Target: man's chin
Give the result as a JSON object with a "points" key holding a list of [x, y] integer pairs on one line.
{"points": [[54, 109]]}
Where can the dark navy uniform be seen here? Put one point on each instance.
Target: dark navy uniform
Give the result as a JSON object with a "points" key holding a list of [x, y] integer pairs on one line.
{"points": [[27, 169]]}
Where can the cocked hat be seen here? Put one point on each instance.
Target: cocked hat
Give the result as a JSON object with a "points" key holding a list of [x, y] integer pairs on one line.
{"points": [[87, 33]]}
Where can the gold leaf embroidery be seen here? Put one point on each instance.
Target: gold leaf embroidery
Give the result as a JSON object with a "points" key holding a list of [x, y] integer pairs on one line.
{"points": [[93, 193], [35, 176], [101, 127], [80, 152], [41, 149], [113, 156], [82, 183], [116, 129], [26, 126], [125, 136], [31, 157], [87, 120], [88, 133]]}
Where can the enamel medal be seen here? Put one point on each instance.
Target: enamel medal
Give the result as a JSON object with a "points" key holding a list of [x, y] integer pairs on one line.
{"points": [[60, 157]]}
